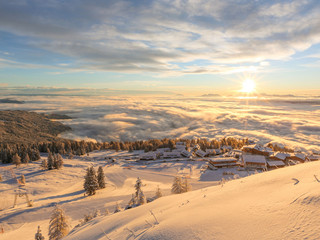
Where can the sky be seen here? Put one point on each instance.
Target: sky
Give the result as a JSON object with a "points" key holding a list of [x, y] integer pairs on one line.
{"points": [[165, 45]]}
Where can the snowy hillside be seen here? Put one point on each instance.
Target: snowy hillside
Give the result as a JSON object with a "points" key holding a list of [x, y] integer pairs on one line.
{"points": [[65, 187], [270, 205]]}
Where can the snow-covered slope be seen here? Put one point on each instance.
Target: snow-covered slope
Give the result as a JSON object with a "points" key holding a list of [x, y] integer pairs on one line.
{"points": [[270, 205]]}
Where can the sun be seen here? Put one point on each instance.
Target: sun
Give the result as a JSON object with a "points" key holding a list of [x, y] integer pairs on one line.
{"points": [[248, 86]]}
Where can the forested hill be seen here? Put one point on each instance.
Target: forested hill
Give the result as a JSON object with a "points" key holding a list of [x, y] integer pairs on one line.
{"points": [[28, 127]]}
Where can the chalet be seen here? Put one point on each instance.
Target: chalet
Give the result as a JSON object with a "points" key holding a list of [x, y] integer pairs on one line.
{"points": [[279, 156], [222, 162], [173, 154], [257, 150], [313, 158], [162, 150], [200, 153], [298, 157], [254, 161], [148, 156], [275, 164], [186, 153]]}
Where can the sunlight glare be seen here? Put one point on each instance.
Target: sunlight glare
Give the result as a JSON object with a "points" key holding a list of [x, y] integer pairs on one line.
{"points": [[248, 86]]}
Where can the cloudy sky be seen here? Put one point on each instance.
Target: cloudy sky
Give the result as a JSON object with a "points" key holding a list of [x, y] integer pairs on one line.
{"points": [[167, 45]]}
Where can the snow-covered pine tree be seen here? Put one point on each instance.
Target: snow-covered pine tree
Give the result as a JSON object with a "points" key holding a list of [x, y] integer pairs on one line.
{"points": [[96, 213], [142, 199], [91, 183], [23, 179], [101, 181], [118, 208], [132, 203], [58, 161], [50, 161], [107, 211], [38, 235], [26, 159], [16, 160], [44, 164], [186, 185], [158, 193], [177, 186], [139, 197], [58, 225]]}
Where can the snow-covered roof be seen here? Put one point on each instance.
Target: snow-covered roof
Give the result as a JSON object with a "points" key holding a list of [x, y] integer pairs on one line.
{"points": [[171, 154], [281, 155], [201, 153], [254, 159], [313, 157], [299, 155], [226, 159], [163, 149], [275, 163]]}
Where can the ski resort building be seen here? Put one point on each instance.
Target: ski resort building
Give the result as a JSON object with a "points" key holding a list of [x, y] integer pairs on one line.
{"points": [[200, 153], [254, 161], [174, 154], [298, 157], [148, 156], [186, 154], [257, 149], [222, 162], [313, 158], [275, 164], [279, 156]]}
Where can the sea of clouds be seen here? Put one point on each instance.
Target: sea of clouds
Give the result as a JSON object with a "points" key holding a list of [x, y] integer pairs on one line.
{"points": [[291, 121]]}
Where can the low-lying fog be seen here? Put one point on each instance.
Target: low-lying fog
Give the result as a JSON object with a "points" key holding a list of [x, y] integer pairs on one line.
{"points": [[293, 121]]}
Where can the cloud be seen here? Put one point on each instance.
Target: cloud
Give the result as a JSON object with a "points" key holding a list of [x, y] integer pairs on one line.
{"points": [[161, 36], [104, 118]]}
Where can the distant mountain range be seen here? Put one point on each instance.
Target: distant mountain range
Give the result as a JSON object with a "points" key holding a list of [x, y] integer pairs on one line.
{"points": [[18, 127], [9, 100]]}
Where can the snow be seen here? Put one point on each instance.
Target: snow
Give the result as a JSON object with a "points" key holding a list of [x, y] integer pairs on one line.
{"points": [[215, 209], [262, 206]]}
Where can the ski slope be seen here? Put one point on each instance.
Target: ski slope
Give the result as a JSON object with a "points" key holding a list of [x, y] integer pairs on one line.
{"points": [[269, 205]]}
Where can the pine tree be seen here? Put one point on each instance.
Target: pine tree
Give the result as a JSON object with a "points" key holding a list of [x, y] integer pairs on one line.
{"points": [[23, 179], [50, 161], [107, 211], [38, 235], [142, 199], [101, 180], [177, 186], [118, 208], [96, 213], [58, 226], [58, 163], [16, 160], [44, 164], [139, 196], [132, 203], [186, 186], [91, 183], [26, 159], [158, 193]]}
